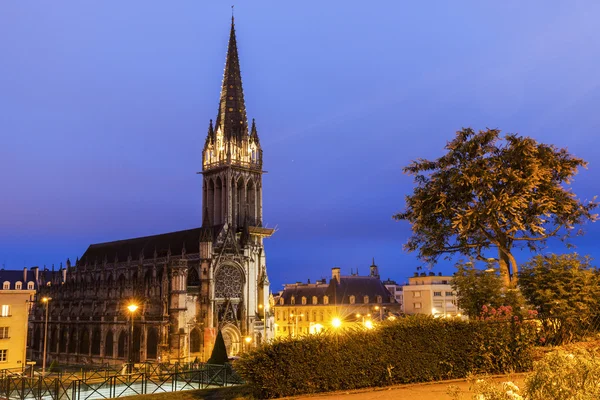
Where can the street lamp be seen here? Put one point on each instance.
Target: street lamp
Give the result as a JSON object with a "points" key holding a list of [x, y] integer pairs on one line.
{"points": [[336, 322], [46, 301], [132, 308], [248, 339]]}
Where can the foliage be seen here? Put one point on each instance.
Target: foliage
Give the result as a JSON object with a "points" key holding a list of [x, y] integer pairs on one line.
{"points": [[488, 193], [486, 389], [411, 349], [476, 288], [565, 376], [559, 376], [219, 352], [565, 289]]}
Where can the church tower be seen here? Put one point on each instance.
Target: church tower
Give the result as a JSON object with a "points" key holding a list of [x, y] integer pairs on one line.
{"points": [[233, 263]]}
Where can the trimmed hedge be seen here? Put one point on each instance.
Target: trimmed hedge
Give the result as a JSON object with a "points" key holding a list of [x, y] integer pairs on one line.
{"points": [[411, 349]]}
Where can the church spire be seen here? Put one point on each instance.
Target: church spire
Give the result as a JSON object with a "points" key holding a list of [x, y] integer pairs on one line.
{"points": [[231, 120]]}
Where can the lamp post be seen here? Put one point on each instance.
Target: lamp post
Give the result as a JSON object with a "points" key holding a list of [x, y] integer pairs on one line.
{"points": [[248, 339], [132, 308], [46, 301]]}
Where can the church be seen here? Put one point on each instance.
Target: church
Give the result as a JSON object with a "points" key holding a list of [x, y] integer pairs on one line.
{"points": [[187, 285]]}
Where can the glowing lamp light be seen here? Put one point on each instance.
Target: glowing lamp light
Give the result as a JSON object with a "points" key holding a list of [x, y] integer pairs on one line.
{"points": [[132, 308], [369, 324], [336, 322], [248, 339], [316, 328], [46, 299]]}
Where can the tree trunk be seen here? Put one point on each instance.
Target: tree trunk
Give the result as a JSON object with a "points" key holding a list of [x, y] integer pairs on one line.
{"points": [[503, 261]]}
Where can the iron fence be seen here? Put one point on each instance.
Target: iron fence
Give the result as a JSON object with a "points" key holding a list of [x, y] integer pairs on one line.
{"points": [[99, 385]]}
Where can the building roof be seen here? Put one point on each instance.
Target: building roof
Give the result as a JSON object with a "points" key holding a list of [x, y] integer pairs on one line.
{"points": [[357, 286], [338, 292], [167, 243]]}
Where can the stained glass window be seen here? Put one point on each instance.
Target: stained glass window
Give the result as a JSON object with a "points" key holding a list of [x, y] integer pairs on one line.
{"points": [[229, 282]]}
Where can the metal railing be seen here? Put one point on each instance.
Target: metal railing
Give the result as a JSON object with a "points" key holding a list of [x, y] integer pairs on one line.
{"points": [[159, 378]]}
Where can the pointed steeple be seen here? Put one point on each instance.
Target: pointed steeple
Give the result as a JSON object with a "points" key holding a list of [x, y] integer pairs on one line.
{"points": [[210, 137], [254, 133], [232, 119]]}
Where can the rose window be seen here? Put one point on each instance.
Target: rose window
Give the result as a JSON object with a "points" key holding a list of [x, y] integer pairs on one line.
{"points": [[229, 282]]}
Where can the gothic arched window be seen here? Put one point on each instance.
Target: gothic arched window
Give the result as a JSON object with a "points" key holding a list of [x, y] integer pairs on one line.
{"points": [[193, 279], [229, 282]]}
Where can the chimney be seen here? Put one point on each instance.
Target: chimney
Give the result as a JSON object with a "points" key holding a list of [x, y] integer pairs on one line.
{"points": [[335, 273], [24, 276]]}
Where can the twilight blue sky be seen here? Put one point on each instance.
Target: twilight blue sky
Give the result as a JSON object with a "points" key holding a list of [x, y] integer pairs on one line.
{"points": [[104, 107]]}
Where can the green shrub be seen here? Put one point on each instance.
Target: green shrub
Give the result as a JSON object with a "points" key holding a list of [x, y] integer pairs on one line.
{"points": [[412, 349], [563, 376]]}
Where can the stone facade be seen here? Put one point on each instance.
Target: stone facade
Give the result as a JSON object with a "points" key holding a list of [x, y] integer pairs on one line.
{"points": [[187, 284]]}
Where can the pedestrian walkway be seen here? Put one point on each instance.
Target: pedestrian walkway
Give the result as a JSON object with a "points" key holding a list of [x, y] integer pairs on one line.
{"points": [[417, 391]]}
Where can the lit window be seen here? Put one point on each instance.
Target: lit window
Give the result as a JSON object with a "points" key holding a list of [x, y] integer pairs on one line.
{"points": [[325, 300], [6, 285], [366, 299], [449, 294], [315, 300], [5, 310], [417, 306], [281, 301], [437, 293], [277, 316], [293, 300], [18, 286], [352, 299], [29, 285], [3, 332], [3, 355], [416, 294], [379, 299], [303, 300]]}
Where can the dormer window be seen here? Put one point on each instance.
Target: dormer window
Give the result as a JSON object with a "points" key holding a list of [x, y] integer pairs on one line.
{"points": [[6, 285], [366, 299], [293, 300], [303, 300], [281, 301], [18, 285], [379, 299], [352, 299], [315, 300], [325, 300], [29, 285]]}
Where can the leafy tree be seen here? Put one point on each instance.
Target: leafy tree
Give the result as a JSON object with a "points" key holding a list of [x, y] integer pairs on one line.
{"points": [[492, 193], [476, 288], [219, 352], [565, 285]]}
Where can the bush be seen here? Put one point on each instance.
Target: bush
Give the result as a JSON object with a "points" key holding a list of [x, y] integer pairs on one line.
{"points": [[412, 349], [563, 376], [559, 376]]}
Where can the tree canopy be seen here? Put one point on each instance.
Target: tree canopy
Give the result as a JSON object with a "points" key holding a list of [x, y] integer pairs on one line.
{"points": [[492, 193]]}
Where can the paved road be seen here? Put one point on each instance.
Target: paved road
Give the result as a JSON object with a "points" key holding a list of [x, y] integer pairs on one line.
{"points": [[419, 391]]}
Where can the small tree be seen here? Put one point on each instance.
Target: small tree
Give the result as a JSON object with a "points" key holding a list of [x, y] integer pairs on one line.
{"points": [[488, 193], [219, 352], [476, 288], [565, 285]]}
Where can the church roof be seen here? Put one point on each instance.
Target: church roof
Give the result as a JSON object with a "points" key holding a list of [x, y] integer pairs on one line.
{"points": [[173, 242], [232, 108]]}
